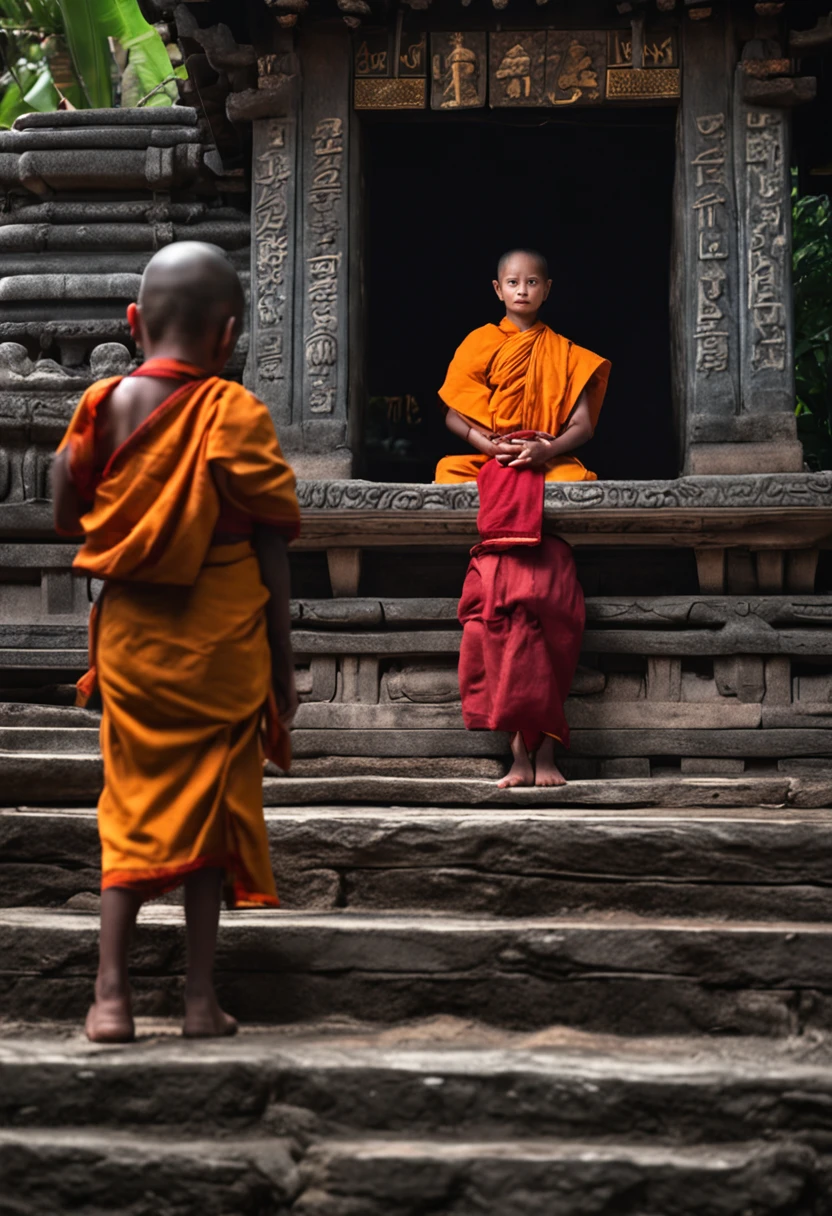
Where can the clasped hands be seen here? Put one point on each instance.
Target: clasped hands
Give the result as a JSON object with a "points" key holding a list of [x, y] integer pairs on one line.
{"points": [[529, 452]]}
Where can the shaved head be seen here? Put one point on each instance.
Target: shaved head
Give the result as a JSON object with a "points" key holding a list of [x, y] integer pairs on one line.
{"points": [[533, 254], [188, 289]]}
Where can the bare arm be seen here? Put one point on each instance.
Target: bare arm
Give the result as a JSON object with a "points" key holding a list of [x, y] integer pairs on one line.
{"points": [[535, 453], [457, 424], [67, 504], [274, 571]]}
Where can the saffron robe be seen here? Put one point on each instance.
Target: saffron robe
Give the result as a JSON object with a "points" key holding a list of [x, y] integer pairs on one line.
{"points": [[179, 645], [522, 614], [504, 379]]}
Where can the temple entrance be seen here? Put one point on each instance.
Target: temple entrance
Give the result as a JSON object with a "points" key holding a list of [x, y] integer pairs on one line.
{"points": [[446, 196]]}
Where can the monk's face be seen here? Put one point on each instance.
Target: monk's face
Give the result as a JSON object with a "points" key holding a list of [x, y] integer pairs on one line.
{"points": [[522, 286]]}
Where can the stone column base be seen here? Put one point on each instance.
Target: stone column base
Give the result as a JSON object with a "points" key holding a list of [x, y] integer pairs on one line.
{"points": [[321, 466], [724, 458]]}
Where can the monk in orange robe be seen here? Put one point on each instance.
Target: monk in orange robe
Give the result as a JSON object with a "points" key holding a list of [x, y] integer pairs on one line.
{"points": [[176, 480], [527, 397]]}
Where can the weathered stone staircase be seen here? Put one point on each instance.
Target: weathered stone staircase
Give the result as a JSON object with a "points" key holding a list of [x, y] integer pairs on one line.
{"points": [[610, 999]]}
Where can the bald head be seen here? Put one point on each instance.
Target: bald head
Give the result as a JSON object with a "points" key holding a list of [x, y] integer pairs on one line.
{"points": [[532, 255], [189, 289]]}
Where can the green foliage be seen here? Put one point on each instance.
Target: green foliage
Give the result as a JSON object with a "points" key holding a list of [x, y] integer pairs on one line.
{"points": [[90, 51], [812, 251], [35, 36]]}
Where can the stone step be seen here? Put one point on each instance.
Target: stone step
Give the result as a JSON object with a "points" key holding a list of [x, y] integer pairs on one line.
{"points": [[408, 1177], [98, 1172], [761, 864], [622, 974], [434, 1077], [42, 777]]}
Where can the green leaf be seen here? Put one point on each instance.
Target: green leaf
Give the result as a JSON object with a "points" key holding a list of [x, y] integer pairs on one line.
{"points": [[86, 37], [42, 95], [12, 106]]}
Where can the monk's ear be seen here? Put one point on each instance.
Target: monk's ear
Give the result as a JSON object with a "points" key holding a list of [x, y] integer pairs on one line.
{"points": [[133, 319], [228, 338], [548, 289], [498, 288]]}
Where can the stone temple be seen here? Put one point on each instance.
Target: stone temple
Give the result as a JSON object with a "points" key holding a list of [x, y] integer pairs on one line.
{"points": [[608, 1000]]}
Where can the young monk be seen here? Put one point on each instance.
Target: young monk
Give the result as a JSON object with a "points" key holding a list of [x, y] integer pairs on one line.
{"points": [[176, 480], [525, 397]]}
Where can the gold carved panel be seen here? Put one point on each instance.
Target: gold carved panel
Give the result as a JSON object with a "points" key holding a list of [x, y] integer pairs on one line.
{"points": [[575, 66], [459, 71], [406, 93], [659, 51], [371, 55], [517, 68], [642, 84]]}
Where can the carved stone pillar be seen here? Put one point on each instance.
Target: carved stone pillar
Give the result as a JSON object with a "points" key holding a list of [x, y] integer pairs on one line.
{"points": [[269, 370], [732, 416], [319, 442], [298, 359]]}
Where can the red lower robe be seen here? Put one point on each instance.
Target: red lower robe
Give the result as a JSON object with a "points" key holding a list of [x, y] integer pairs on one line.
{"points": [[522, 613]]}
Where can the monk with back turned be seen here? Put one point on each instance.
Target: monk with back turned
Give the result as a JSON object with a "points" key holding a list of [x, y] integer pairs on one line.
{"points": [[524, 398], [176, 480]]}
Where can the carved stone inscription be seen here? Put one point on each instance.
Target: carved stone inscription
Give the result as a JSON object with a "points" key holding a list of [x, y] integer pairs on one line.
{"points": [[272, 205], [518, 69], [324, 255], [459, 71], [713, 237], [767, 240]]}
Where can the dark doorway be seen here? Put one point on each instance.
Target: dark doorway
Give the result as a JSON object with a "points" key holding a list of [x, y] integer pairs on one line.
{"points": [[446, 196]]}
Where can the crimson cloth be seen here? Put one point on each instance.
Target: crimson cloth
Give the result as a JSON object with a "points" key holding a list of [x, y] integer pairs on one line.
{"points": [[511, 503], [522, 616]]}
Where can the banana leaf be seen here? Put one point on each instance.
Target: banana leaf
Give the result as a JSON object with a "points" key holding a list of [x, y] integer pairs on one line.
{"points": [[86, 37]]}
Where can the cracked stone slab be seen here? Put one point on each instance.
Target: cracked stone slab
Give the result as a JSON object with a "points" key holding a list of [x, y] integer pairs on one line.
{"points": [[759, 864], [423, 1079], [616, 973], [392, 1177], [98, 1171]]}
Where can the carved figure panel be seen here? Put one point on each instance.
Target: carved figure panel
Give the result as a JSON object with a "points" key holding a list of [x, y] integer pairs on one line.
{"points": [[517, 68], [458, 71], [575, 65]]}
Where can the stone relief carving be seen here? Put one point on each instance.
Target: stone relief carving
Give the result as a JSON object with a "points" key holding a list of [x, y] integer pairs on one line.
{"points": [[767, 243], [762, 490], [324, 264], [713, 244], [272, 171]]}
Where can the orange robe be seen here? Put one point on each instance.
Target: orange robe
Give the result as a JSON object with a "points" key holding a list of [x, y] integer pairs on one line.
{"points": [[179, 645], [505, 379]]}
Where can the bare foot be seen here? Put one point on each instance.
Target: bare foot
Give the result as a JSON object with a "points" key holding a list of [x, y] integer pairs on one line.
{"points": [[205, 1020], [521, 771], [546, 772], [110, 1021]]}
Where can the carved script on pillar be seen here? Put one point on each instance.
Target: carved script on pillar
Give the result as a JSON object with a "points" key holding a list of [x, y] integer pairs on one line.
{"points": [[713, 244], [324, 263], [272, 171], [767, 244]]}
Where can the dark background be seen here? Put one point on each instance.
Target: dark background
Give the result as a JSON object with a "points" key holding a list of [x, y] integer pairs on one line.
{"points": [[446, 195]]}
